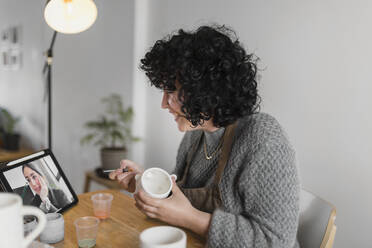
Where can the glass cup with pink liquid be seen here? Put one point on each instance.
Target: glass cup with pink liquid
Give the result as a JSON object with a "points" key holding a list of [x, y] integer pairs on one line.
{"points": [[102, 205]]}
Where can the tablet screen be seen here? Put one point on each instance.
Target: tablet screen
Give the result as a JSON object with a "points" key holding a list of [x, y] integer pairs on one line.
{"points": [[40, 182]]}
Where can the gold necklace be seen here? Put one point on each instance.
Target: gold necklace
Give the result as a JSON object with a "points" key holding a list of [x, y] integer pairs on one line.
{"points": [[208, 157]]}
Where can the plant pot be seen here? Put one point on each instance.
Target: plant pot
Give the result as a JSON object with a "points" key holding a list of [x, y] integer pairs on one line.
{"points": [[111, 157], [11, 141]]}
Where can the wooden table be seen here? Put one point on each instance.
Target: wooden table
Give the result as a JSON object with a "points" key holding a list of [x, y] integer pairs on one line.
{"points": [[121, 229]]}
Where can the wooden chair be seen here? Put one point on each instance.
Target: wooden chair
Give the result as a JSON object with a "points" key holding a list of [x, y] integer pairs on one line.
{"points": [[317, 227]]}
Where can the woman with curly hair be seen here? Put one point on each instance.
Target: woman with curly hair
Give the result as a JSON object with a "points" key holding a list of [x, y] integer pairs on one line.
{"points": [[238, 184]]}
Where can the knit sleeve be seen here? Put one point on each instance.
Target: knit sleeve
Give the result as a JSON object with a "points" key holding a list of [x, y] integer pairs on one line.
{"points": [[268, 189]]}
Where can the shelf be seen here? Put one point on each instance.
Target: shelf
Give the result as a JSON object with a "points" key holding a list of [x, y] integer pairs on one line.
{"points": [[6, 155]]}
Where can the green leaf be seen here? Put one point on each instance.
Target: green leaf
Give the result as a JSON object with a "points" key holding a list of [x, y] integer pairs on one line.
{"points": [[113, 127], [127, 115], [135, 139], [87, 139], [10, 121]]}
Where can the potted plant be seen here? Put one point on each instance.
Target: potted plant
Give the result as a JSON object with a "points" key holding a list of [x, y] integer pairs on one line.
{"points": [[10, 137], [111, 131]]}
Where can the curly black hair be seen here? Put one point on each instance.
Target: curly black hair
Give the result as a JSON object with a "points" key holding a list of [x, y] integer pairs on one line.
{"points": [[217, 77]]}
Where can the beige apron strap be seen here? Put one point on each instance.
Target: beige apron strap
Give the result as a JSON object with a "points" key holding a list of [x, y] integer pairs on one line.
{"points": [[207, 199], [228, 139]]}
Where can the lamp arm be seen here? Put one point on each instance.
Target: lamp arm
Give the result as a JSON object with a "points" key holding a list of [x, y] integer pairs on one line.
{"points": [[49, 52], [53, 40], [48, 68]]}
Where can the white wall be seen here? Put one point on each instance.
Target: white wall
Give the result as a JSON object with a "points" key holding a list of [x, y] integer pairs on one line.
{"points": [[316, 56], [87, 67], [15, 178], [22, 91], [142, 16], [316, 82]]}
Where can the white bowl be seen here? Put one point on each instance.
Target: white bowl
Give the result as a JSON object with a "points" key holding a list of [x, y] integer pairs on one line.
{"points": [[163, 237]]}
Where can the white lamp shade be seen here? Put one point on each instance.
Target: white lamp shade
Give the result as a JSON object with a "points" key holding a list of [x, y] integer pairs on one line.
{"points": [[70, 16]]}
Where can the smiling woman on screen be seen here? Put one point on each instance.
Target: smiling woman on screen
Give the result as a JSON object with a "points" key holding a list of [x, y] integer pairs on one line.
{"points": [[238, 183]]}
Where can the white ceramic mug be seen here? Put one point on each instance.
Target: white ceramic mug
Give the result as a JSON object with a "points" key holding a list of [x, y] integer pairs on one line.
{"points": [[163, 237], [156, 182], [11, 221]]}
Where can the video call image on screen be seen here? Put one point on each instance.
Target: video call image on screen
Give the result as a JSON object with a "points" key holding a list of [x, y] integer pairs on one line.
{"points": [[39, 184]]}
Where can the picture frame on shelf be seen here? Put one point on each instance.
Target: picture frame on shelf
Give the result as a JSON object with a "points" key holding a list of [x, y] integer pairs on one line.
{"points": [[11, 59], [5, 37], [15, 59], [10, 36], [10, 48], [4, 58]]}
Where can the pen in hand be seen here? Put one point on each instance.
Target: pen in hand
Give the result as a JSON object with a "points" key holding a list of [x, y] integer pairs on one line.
{"points": [[108, 171]]}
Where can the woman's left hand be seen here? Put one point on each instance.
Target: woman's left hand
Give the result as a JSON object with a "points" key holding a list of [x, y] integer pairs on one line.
{"points": [[175, 210], [44, 189]]}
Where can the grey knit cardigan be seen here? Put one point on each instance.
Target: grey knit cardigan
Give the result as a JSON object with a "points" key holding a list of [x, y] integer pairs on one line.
{"points": [[259, 187]]}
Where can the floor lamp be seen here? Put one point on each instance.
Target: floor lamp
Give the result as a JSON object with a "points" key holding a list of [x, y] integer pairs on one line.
{"points": [[68, 17]]}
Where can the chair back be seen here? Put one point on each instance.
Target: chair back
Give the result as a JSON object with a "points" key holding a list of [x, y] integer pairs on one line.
{"points": [[317, 227]]}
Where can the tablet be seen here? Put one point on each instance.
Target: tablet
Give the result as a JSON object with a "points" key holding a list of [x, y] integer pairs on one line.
{"points": [[40, 182]]}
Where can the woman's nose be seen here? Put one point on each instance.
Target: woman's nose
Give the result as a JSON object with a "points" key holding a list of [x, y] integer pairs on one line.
{"points": [[164, 100]]}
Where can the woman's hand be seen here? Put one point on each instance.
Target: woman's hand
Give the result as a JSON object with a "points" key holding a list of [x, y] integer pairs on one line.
{"points": [[44, 189], [175, 210], [126, 178], [172, 210]]}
